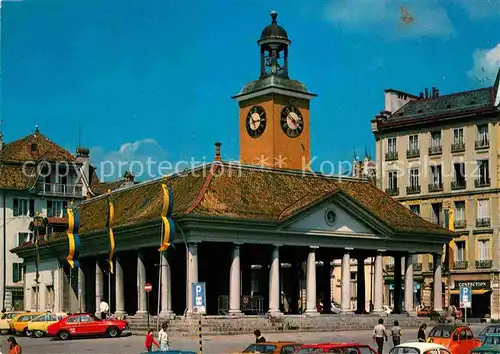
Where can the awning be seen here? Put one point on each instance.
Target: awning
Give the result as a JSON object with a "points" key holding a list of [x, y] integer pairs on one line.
{"points": [[474, 292]]}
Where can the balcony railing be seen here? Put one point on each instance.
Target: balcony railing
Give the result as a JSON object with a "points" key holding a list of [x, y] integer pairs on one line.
{"points": [[413, 189], [458, 146], [435, 150], [389, 267], [482, 182], [460, 265], [459, 224], [435, 187], [483, 222], [482, 144], [456, 185], [417, 267], [484, 263], [391, 155], [392, 191], [412, 153], [59, 189]]}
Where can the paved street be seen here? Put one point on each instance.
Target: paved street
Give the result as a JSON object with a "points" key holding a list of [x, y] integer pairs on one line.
{"points": [[212, 345]]}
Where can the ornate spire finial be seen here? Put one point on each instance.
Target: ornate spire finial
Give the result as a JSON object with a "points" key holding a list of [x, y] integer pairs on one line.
{"points": [[274, 16], [36, 129]]}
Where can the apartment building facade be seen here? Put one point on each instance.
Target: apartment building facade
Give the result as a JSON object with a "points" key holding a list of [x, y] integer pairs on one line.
{"points": [[435, 152], [36, 176]]}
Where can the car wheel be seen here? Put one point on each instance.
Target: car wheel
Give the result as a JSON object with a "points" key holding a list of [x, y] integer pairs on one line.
{"points": [[27, 333], [113, 332], [38, 334], [63, 335]]}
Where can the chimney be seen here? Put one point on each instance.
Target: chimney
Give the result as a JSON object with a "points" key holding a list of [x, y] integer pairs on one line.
{"points": [[1, 141], [426, 92], [437, 92], [217, 152], [129, 178], [434, 90], [82, 157]]}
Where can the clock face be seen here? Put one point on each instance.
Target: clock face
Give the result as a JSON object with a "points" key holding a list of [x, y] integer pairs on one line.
{"points": [[292, 122], [256, 121]]}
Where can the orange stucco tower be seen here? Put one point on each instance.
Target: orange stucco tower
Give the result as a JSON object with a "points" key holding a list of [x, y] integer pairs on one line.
{"points": [[274, 110]]}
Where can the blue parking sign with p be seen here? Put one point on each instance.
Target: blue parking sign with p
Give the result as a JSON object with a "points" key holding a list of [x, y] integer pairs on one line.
{"points": [[465, 297], [199, 298]]}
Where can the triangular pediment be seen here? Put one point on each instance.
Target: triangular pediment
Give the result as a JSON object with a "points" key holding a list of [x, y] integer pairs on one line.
{"points": [[330, 217]]}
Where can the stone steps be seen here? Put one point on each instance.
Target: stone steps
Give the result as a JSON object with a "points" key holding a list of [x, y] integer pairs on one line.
{"points": [[219, 325]]}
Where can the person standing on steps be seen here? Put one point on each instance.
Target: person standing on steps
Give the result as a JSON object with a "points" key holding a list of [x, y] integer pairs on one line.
{"points": [[379, 334], [163, 338], [396, 334]]}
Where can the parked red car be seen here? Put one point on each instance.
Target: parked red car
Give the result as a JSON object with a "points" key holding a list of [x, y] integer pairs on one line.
{"points": [[337, 348], [87, 325]]}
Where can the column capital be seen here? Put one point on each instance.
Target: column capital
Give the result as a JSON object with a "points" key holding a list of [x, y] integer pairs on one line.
{"points": [[311, 248], [380, 251], [348, 249], [238, 243], [277, 245]]}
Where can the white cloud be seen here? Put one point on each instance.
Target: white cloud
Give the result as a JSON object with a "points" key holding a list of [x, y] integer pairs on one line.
{"points": [[428, 18], [487, 59]]}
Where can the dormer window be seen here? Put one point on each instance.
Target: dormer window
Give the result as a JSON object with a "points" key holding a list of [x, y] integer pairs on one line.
{"points": [[34, 147]]}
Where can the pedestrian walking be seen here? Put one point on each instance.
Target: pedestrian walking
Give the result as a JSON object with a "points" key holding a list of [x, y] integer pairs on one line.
{"points": [[421, 332], [258, 337], [14, 347], [396, 334], [150, 341], [379, 334], [163, 338]]}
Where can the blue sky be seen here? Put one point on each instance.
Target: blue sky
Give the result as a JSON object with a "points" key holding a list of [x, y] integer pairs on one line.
{"points": [[154, 78]]}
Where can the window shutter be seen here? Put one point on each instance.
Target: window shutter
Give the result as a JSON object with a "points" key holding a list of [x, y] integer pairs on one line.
{"points": [[15, 272], [32, 207], [15, 207]]}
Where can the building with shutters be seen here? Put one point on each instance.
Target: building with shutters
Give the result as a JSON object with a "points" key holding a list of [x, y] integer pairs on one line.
{"points": [[435, 152]]}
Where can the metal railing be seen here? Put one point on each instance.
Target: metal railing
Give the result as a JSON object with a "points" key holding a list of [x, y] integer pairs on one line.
{"points": [[435, 150], [455, 185], [458, 146], [460, 264], [391, 155], [392, 191], [412, 153], [482, 144], [413, 189], [484, 263], [482, 182], [459, 224], [435, 187], [248, 304], [59, 189], [417, 267], [483, 222]]}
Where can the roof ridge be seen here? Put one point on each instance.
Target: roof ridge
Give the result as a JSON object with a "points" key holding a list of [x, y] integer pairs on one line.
{"points": [[204, 188]]}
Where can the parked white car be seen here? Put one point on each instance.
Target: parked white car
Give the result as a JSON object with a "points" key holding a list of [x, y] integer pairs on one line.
{"points": [[419, 348]]}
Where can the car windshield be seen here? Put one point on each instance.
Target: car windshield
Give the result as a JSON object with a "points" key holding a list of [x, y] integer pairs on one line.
{"points": [[311, 350], [490, 329], [404, 350], [492, 340], [260, 348], [440, 332]]}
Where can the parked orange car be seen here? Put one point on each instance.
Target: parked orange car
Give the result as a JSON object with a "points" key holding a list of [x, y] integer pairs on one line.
{"points": [[458, 339], [272, 348]]}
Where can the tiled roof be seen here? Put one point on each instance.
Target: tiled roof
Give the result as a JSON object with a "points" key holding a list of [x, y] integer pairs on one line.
{"points": [[453, 103], [12, 176], [246, 193], [21, 150]]}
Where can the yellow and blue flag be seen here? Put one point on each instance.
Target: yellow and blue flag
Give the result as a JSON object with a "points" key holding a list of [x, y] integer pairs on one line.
{"points": [[168, 225], [111, 217], [73, 238]]}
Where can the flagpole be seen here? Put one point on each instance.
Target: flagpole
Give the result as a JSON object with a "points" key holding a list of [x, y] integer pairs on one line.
{"points": [[159, 281]]}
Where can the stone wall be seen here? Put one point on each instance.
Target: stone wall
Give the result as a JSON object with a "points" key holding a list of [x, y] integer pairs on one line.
{"points": [[215, 325]]}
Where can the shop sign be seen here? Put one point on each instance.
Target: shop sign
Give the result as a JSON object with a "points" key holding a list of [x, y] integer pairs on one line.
{"points": [[473, 284]]}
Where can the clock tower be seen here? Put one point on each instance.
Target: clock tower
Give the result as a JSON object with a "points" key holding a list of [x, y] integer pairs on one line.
{"points": [[274, 110]]}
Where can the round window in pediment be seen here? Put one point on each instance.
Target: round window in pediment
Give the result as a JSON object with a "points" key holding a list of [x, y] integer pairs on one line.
{"points": [[330, 217]]}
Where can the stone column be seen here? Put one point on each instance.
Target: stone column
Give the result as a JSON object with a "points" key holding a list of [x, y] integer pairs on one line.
{"points": [[378, 284], [80, 290], [235, 282], [274, 282], [409, 284], [119, 289], [99, 288], [346, 282], [360, 286], [311, 309], [192, 274], [438, 284], [398, 281], [166, 293], [141, 282]]}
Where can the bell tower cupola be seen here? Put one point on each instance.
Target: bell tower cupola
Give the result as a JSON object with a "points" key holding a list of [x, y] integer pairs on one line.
{"points": [[274, 110], [274, 44]]}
